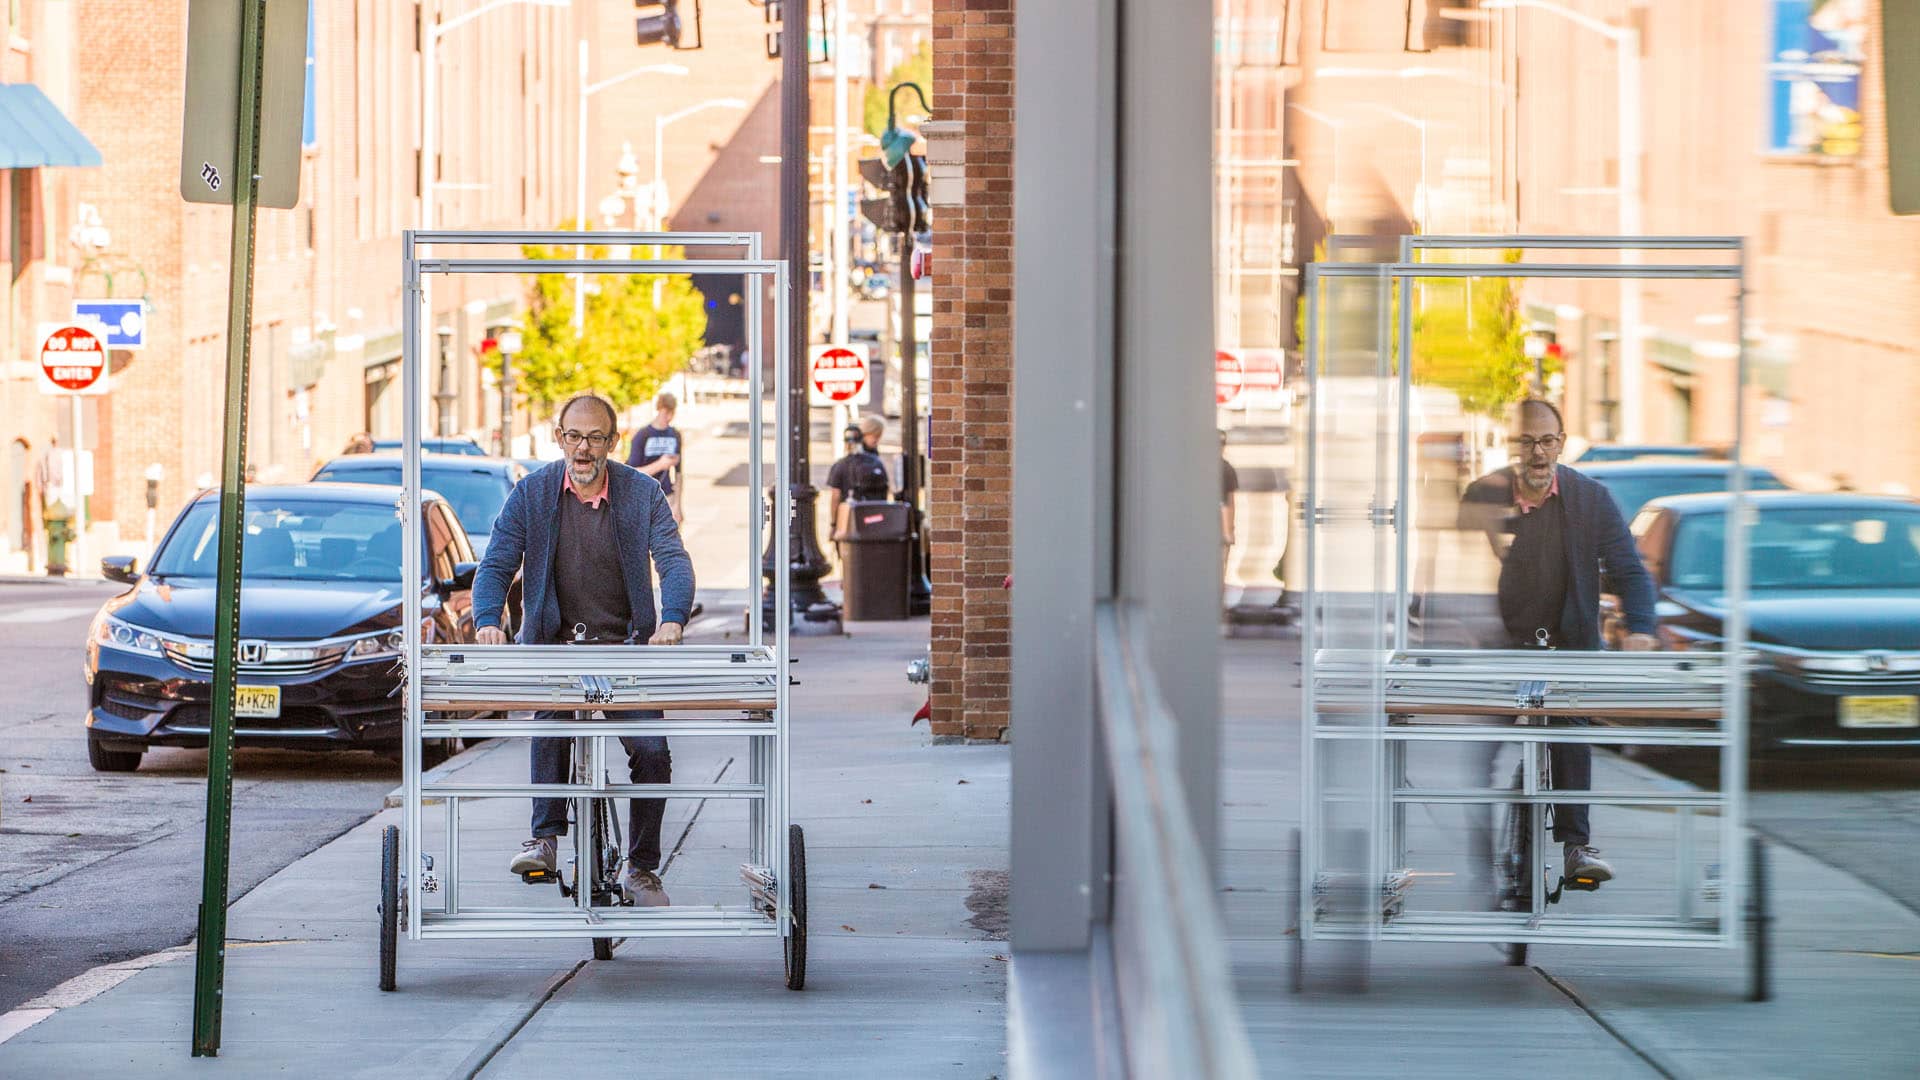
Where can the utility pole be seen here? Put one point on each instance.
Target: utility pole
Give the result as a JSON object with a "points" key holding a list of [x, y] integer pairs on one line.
{"points": [[806, 563], [839, 266]]}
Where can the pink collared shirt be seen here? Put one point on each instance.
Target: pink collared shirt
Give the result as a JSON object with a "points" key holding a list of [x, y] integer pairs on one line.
{"points": [[1520, 502], [606, 490]]}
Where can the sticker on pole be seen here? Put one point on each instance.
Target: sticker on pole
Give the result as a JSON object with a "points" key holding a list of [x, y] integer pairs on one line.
{"points": [[837, 375], [73, 360]]}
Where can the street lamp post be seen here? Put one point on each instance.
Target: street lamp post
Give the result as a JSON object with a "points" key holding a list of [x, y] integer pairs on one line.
{"points": [[431, 31], [1626, 44], [587, 90], [443, 397]]}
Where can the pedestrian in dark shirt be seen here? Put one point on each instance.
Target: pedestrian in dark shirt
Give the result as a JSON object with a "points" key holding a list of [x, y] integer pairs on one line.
{"points": [[861, 473], [589, 534], [656, 450], [1554, 530]]}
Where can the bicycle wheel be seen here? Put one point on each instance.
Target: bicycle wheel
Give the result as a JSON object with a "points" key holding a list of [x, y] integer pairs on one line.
{"points": [[389, 904], [602, 877], [1513, 865]]}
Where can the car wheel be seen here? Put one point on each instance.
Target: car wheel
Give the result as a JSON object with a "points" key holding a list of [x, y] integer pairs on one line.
{"points": [[105, 760]]}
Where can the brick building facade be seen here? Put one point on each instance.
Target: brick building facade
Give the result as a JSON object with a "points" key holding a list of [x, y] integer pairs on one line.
{"points": [[971, 482]]}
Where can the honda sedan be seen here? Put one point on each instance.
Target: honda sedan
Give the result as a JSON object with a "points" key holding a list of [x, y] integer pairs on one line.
{"points": [[320, 625]]}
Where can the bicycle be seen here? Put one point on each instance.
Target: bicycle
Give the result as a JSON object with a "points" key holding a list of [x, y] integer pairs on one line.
{"points": [[1514, 871], [604, 851]]}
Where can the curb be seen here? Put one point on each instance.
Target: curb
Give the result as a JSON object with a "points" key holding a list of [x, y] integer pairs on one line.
{"points": [[42, 579]]}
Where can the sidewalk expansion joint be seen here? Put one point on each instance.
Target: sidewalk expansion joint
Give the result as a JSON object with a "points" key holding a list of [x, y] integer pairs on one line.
{"points": [[1619, 1036], [483, 1058]]}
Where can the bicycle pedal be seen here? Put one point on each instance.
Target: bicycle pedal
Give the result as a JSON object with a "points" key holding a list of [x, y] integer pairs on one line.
{"points": [[538, 877], [1581, 883]]}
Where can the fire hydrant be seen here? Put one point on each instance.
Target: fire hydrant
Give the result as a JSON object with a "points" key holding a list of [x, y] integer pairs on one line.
{"points": [[59, 522]]}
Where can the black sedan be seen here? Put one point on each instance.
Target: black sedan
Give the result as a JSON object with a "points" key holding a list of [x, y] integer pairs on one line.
{"points": [[320, 619], [477, 487], [1634, 484], [1833, 609]]}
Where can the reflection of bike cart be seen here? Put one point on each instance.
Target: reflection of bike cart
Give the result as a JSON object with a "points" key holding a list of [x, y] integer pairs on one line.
{"points": [[1384, 705], [684, 691]]}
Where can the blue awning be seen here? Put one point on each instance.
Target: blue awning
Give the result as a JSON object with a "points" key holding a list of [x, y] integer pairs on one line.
{"points": [[34, 133]]}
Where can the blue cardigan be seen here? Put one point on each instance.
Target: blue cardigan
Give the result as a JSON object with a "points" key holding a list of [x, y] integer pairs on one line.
{"points": [[1597, 538], [529, 529]]}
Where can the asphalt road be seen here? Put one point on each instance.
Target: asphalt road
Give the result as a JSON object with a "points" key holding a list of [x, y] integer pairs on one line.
{"points": [[1860, 813], [97, 868]]}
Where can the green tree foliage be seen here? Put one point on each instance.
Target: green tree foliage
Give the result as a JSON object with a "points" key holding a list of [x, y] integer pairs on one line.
{"points": [[1469, 338], [639, 330], [917, 68]]}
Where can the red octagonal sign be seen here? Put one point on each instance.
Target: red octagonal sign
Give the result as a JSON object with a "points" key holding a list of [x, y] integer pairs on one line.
{"points": [[839, 375], [73, 360]]}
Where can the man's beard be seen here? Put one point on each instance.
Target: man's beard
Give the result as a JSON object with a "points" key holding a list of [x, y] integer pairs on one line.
{"points": [[587, 472]]}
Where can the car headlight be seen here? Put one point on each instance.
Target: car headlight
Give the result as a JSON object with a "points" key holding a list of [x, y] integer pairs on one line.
{"points": [[386, 643], [115, 634]]}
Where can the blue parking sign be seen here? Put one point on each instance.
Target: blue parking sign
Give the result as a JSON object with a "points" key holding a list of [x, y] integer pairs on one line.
{"points": [[124, 321]]}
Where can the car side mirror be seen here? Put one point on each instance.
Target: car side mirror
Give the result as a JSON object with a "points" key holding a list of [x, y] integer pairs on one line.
{"points": [[121, 568], [463, 575]]}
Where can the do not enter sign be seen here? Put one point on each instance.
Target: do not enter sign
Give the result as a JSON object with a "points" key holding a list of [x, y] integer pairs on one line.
{"points": [[73, 360], [837, 375]]}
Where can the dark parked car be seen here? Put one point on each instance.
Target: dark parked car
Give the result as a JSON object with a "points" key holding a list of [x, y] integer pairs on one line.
{"points": [[320, 621], [454, 444], [477, 487], [1599, 452], [1833, 609], [1634, 484]]}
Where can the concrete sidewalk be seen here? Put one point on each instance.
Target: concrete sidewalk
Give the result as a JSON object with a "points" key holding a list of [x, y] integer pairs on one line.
{"points": [[906, 968], [1846, 984]]}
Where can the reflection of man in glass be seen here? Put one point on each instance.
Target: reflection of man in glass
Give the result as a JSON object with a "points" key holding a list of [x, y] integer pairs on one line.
{"points": [[1555, 530]]}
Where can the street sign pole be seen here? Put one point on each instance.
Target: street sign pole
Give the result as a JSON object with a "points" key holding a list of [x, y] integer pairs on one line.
{"points": [[210, 954]]}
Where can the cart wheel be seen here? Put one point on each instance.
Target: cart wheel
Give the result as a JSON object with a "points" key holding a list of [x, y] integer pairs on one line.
{"points": [[1299, 913], [796, 941], [1759, 923], [389, 903], [603, 948]]}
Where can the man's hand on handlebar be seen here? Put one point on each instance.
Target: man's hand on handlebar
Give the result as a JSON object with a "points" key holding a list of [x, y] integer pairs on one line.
{"points": [[1640, 643], [668, 634], [490, 635]]}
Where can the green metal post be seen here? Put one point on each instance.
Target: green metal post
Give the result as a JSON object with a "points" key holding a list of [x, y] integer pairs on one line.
{"points": [[211, 953]]}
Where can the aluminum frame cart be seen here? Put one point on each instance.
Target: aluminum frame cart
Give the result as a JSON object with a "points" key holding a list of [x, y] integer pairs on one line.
{"points": [[1373, 694], [455, 690]]}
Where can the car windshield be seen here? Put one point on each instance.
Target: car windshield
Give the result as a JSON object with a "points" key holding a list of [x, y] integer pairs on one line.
{"points": [[1812, 548], [476, 494], [466, 447], [1632, 491], [290, 540]]}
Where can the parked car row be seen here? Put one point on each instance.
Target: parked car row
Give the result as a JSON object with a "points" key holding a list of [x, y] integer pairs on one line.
{"points": [[320, 617]]}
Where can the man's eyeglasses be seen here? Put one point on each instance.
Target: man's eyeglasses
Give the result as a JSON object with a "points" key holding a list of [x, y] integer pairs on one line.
{"points": [[1525, 444], [571, 439]]}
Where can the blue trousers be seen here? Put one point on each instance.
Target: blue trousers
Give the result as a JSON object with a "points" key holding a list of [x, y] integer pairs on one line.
{"points": [[649, 761]]}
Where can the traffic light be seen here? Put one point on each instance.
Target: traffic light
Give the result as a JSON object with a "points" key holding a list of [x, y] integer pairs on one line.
{"points": [[893, 212], [661, 24]]}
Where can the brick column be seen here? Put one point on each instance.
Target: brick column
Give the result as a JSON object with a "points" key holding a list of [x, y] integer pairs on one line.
{"points": [[970, 490]]}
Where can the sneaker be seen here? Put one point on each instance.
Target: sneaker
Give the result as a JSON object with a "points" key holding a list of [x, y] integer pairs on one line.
{"points": [[1585, 863], [538, 855], [643, 888]]}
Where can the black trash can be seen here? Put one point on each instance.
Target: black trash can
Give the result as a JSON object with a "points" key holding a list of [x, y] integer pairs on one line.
{"points": [[874, 561]]}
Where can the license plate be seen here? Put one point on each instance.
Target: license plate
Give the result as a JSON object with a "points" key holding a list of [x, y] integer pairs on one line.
{"points": [[256, 702], [1878, 712]]}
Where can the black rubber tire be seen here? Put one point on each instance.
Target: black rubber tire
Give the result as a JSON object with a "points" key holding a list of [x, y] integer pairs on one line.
{"points": [[1513, 869], [796, 939], [389, 904], [1299, 979], [1759, 915], [603, 948], [105, 760]]}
